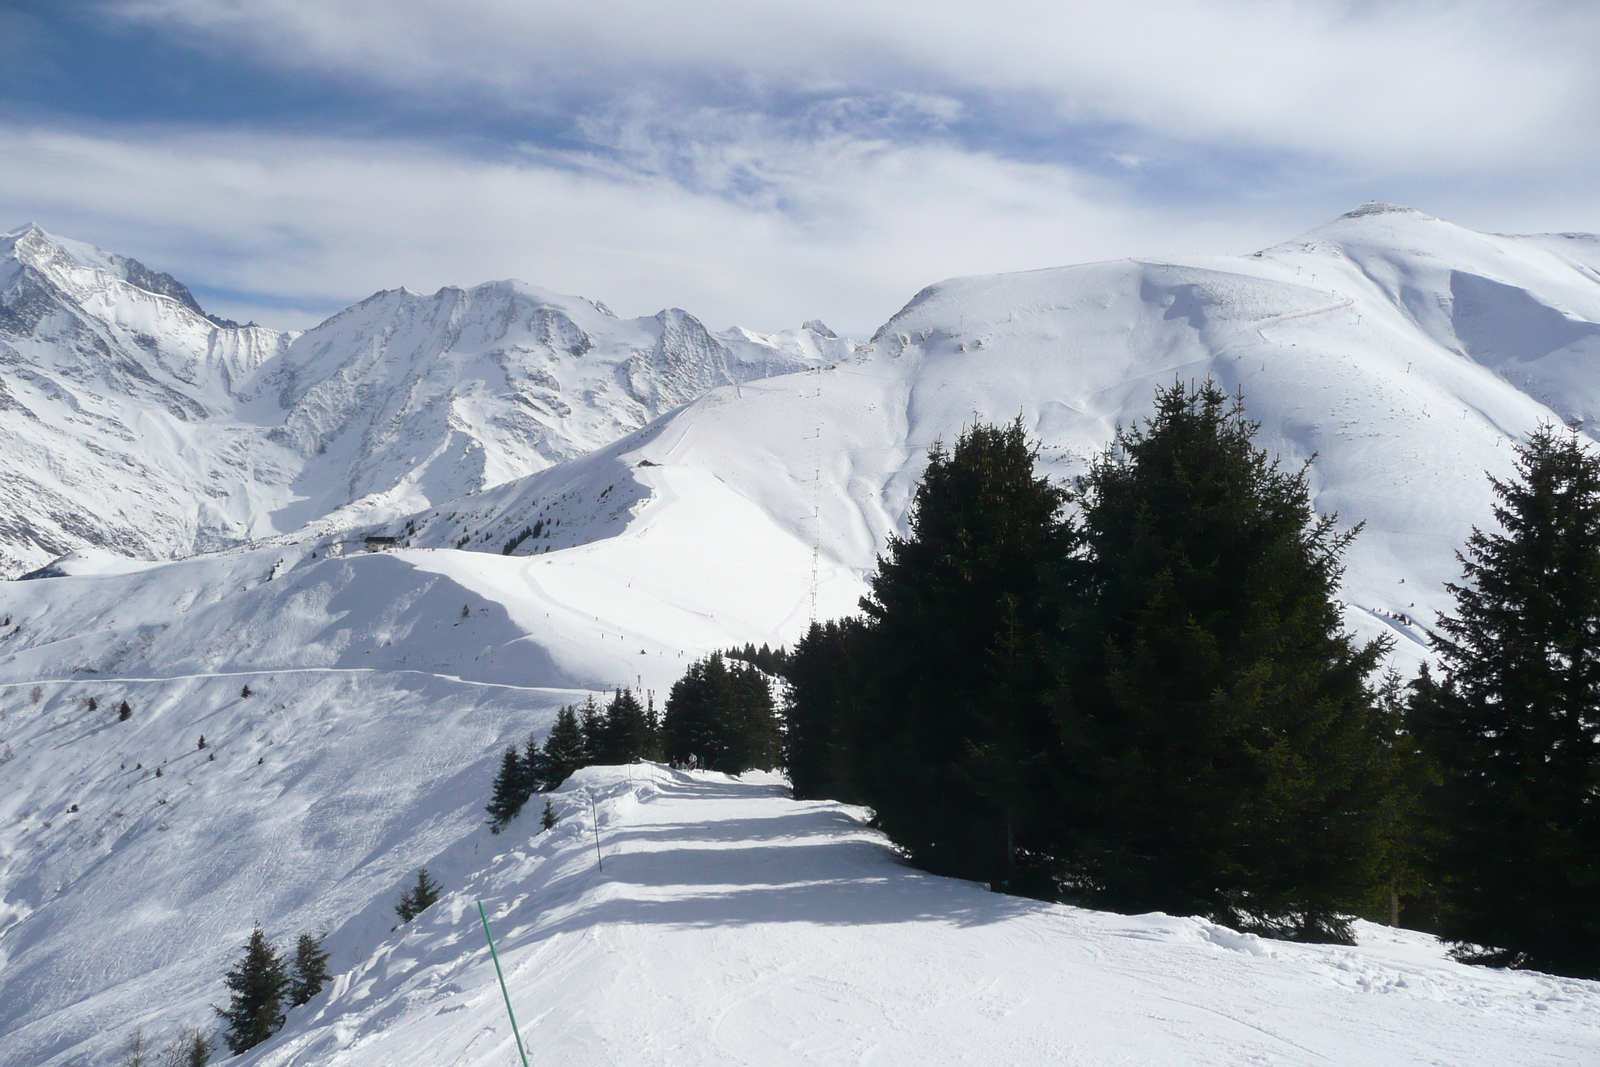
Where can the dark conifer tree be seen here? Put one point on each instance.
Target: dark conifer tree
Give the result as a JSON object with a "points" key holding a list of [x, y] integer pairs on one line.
{"points": [[564, 749], [630, 734], [721, 713], [695, 722], [596, 731], [418, 897], [825, 675], [310, 969], [124, 711], [1512, 728], [953, 737], [257, 988], [548, 817], [508, 796], [534, 768], [1223, 751]]}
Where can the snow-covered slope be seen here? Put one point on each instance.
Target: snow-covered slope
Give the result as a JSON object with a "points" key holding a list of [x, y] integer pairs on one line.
{"points": [[1405, 352], [133, 422]]}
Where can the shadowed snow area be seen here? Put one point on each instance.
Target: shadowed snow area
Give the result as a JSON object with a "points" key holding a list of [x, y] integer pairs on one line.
{"points": [[731, 925]]}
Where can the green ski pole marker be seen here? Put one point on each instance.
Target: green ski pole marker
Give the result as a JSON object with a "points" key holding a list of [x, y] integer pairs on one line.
{"points": [[503, 991]]}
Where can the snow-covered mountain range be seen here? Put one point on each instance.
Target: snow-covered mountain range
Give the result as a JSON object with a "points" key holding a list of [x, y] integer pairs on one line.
{"points": [[681, 500], [137, 424]]}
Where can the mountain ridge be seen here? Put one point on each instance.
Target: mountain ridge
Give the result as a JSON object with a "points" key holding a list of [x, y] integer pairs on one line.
{"points": [[145, 427]]}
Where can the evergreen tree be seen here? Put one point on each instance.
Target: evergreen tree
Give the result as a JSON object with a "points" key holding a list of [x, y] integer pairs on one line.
{"points": [[1512, 728], [310, 969], [953, 739], [508, 796], [535, 769], [257, 987], [1223, 754], [822, 703], [631, 734], [723, 715], [596, 735], [548, 817], [419, 897], [564, 749], [124, 711]]}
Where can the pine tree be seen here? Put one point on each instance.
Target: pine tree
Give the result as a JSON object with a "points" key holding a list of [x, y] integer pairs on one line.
{"points": [[257, 987], [722, 713], [953, 738], [1222, 750], [564, 749], [418, 898], [630, 732], [596, 732], [508, 796], [548, 818], [310, 969], [1512, 728], [695, 722], [124, 711], [535, 769], [824, 674]]}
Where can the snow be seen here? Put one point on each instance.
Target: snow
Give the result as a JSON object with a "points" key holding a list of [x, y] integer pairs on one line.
{"points": [[726, 924], [684, 502], [136, 425]]}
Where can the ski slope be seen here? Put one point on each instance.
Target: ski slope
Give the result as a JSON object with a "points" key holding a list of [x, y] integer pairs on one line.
{"points": [[1405, 354], [722, 923]]}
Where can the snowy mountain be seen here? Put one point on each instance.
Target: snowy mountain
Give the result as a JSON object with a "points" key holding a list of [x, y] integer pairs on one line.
{"points": [[1405, 353], [137, 424], [730, 924]]}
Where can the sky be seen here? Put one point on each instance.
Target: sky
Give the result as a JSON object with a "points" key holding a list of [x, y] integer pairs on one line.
{"points": [[767, 163]]}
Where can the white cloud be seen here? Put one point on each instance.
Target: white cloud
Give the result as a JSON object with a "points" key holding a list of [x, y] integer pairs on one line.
{"points": [[1420, 84], [300, 220]]}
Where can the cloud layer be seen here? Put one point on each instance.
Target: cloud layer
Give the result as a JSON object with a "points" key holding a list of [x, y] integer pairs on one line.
{"points": [[769, 163]]}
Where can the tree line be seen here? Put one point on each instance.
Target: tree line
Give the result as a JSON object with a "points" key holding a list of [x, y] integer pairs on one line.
{"points": [[719, 716], [1135, 692]]}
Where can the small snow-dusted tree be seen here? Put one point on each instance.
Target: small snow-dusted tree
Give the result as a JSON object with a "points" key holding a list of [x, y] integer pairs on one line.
{"points": [[418, 897], [124, 711], [246, 692], [508, 796], [548, 818], [310, 969], [257, 987], [564, 748], [190, 1048], [535, 769]]}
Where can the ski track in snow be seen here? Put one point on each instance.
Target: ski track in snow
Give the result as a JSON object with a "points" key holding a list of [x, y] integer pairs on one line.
{"points": [[730, 925]]}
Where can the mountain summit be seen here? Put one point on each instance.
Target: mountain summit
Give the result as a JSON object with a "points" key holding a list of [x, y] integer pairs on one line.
{"points": [[140, 425]]}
